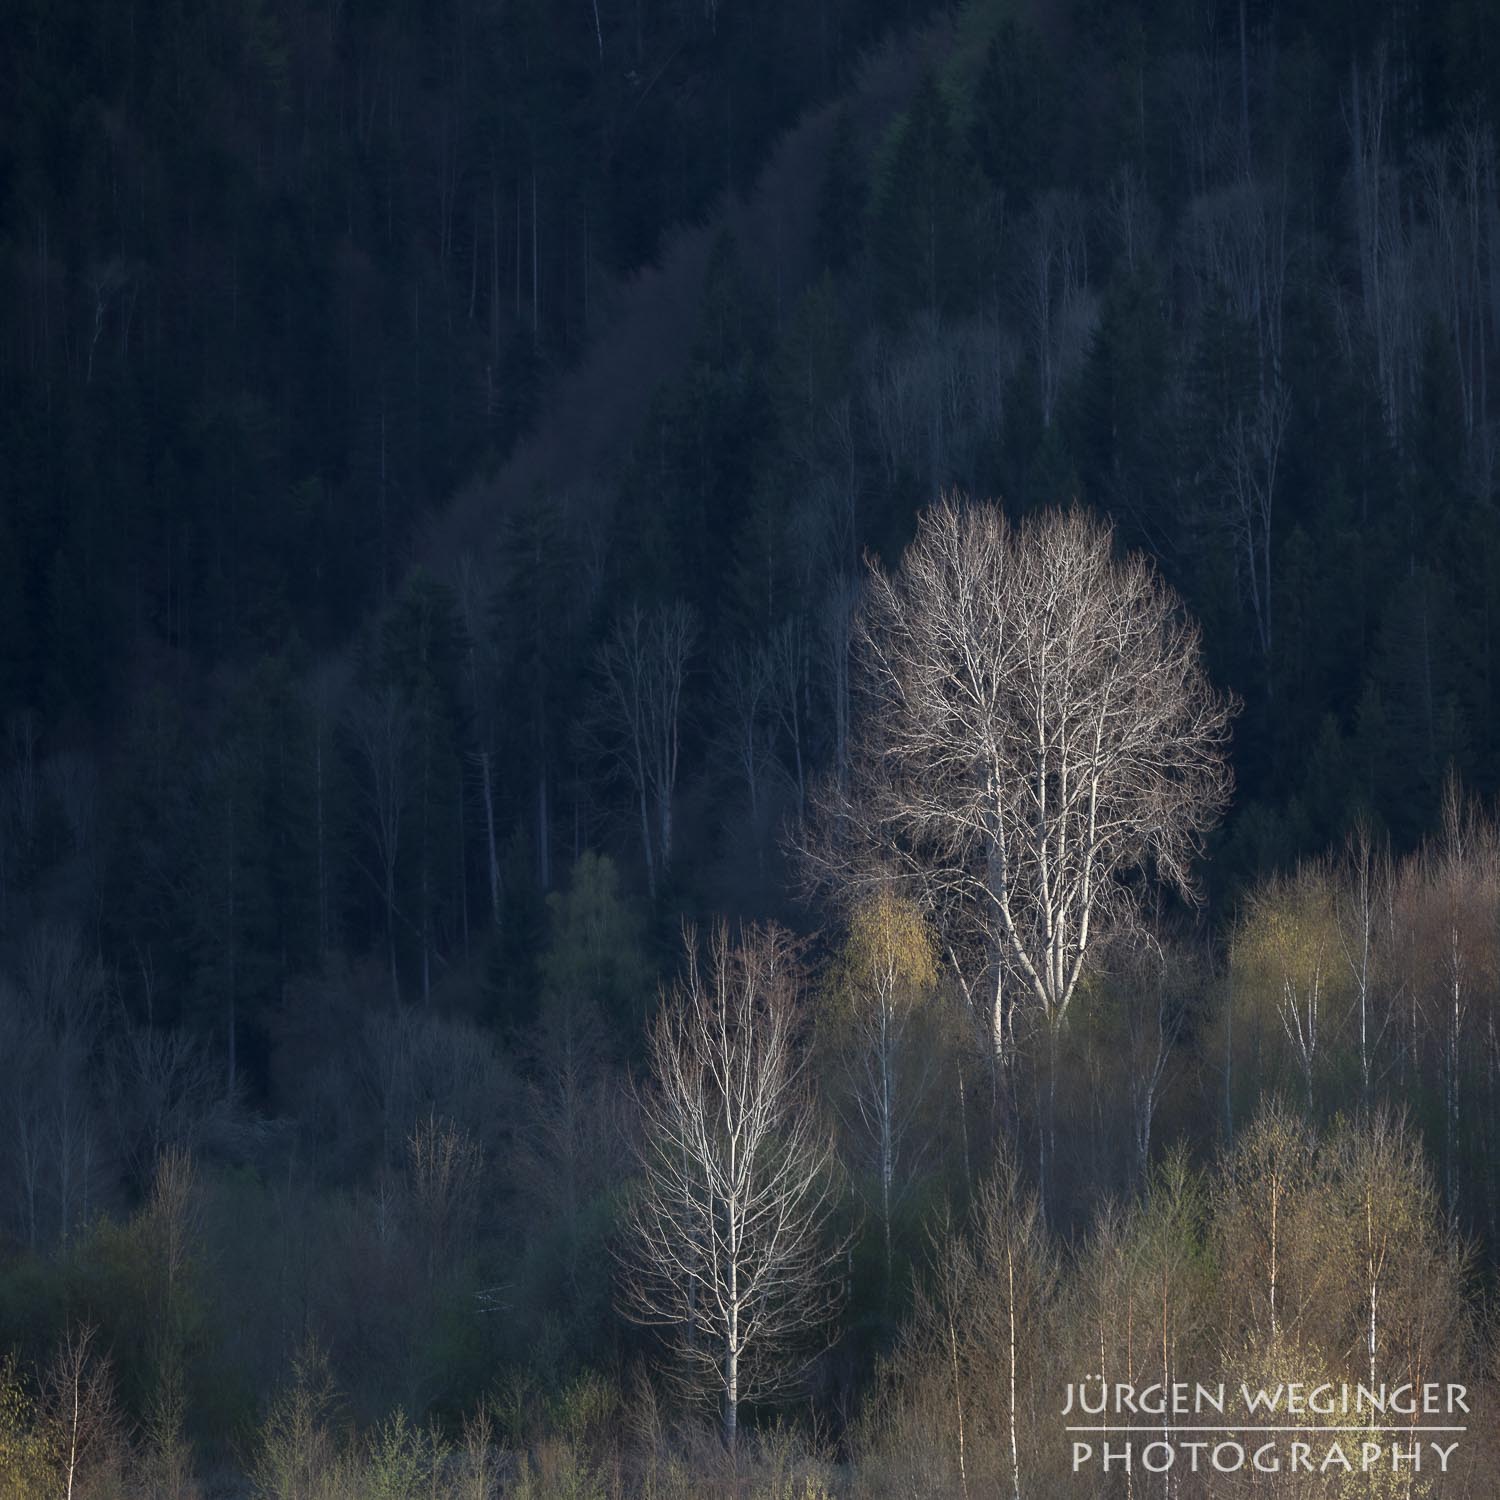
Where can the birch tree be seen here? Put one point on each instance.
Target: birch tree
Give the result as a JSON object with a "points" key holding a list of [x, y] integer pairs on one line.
{"points": [[730, 1243], [1286, 957], [1390, 1209], [1154, 985], [1036, 747], [83, 1417], [643, 666], [1463, 876], [1262, 1190], [1363, 891], [882, 986]]}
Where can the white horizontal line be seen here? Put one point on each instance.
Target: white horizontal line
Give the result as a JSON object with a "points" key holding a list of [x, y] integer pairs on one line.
{"points": [[1363, 1427]]}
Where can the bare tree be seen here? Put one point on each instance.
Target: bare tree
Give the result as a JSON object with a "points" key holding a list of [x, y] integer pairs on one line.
{"points": [[381, 727], [1251, 460], [80, 1410], [835, 632], [1057, 310], [445, 1169], [1456, 191], [325, 691], [643, 665], [480, 673], [23, 791], [1133, 218], [415, 1065], [730, 1248], [1197, 104], [50, 1026], [1463, 879], [1035, 732], [1261, 1187], [744, 710], [790, 678], [571, 1152], [1382, 1183], [1285, 947], [163, 1094], [1239, 253], [1034, 726], [1300, 1006], [26, 1047], [935, 397], [1153, 986], [1387, 258], [1363, 892]]}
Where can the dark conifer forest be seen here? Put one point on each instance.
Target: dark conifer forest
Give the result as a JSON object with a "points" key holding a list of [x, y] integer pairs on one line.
{"points": [[736, 736]]}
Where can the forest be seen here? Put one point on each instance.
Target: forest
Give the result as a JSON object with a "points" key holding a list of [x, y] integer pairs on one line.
{"points": [[740, 741]]}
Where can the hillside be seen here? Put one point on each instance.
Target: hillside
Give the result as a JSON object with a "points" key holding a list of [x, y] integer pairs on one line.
{"points": [[525, 528]]}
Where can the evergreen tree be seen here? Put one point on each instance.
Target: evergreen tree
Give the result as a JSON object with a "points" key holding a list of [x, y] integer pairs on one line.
{"points": [[923, 229], [839, 234], [1017, 114], [423, 651]]}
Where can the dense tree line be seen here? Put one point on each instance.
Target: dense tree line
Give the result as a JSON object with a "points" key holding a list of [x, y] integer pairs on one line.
{"points": [[344, 867], [277, 277]]}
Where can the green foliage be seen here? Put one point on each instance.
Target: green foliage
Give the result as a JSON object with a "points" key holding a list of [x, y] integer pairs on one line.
{"points": [[402, 1462], [296, 1449], [558, 1471], [28, 1458], [891, 949]]}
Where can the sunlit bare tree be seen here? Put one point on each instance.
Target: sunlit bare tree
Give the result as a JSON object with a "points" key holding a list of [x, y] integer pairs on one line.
{"points": [[729, 1242], [1036, 746]]}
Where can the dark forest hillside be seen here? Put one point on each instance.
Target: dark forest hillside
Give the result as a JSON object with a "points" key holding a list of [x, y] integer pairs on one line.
{"points": [[460, 465]]}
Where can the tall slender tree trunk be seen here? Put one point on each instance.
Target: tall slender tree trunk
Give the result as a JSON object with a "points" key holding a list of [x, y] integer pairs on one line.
{"points": [[1015, 1452], [322, 841], [646, 846], [232, 954], [958, 1404], [543, 831], [492, 853], [463, 865], [1244, 94], [390, 928], [732, 1366], [887, 1143]]}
